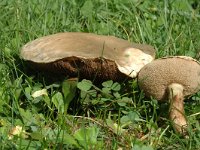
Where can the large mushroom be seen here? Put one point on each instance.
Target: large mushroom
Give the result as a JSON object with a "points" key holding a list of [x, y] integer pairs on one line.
{"points": [[87, 55], [171, 79]]}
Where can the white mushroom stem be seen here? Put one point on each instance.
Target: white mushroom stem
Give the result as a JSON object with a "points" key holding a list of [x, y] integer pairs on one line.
{"points": [[176, 110]]}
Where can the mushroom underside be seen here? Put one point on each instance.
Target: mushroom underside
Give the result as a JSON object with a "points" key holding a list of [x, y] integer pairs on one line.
{"points": [[97, 69]]}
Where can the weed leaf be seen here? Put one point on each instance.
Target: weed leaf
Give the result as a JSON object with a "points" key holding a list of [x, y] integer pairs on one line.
{"points": [[84, 85], [57, 100]]}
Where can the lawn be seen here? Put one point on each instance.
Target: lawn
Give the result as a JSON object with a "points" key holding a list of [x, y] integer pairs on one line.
{"points": [[36, 113]]}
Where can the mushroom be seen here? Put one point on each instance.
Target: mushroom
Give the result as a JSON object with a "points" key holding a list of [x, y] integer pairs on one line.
{"points": [[87, 55], [171, 79]]}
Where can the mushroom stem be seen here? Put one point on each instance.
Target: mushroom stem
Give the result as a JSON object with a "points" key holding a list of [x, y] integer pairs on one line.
{"points": [[176, 110]]}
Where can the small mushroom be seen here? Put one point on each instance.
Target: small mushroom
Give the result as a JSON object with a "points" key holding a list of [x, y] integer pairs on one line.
{"points": [[171, 79], [87, 55]]}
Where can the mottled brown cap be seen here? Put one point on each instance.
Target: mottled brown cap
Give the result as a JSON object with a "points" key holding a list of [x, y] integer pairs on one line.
{"points": [[155, 77], [128, 57]]}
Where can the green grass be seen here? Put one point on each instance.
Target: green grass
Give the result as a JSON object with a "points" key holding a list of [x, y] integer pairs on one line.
{"points": [[114, 116]]}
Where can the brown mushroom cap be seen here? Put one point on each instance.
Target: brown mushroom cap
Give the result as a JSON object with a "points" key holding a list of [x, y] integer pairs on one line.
{"points": [[155, 77], [85, 49]]}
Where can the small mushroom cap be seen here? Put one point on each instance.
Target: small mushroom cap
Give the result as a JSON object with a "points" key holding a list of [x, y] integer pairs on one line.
{"points": [[129, 57], [155, 77]]}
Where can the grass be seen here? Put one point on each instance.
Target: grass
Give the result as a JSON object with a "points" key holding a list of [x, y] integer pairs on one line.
{"points": [[114, 116]]}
